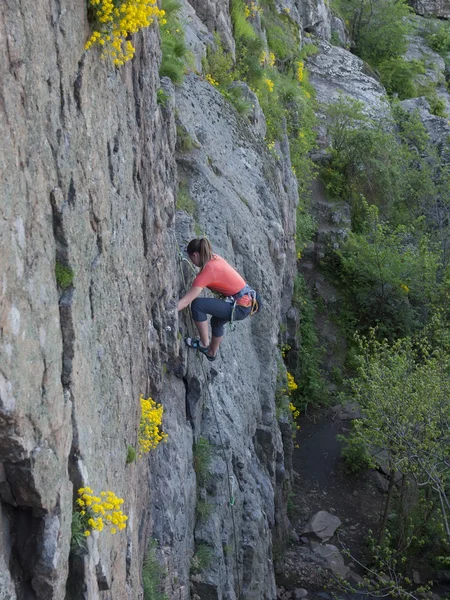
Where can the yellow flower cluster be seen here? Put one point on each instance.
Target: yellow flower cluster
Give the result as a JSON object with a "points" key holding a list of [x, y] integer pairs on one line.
{"points": [[291, 383], [267, 59], [252, 9], [300, 71], [405, 288], [294, 410], [117, 19], [210, 79], [150, 433], [295, 414], [269, 84], [98, 511]]}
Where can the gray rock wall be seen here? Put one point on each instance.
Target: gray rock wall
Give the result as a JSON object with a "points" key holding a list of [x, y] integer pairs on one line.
{"points": [[88, 181], [87, 177], [245, 202], [432, 8]]}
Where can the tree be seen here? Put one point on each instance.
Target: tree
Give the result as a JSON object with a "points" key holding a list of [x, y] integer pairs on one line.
{"points": [[404, 392]]}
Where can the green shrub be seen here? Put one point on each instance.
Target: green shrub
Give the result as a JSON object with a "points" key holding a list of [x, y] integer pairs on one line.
{"points": [[173, 49], [185, 143], [202, 558], [64, 275], [131, 455], [354, 454], [202, 460], [78, 540], [399, 76], [379, 29], [308, 375], [152, 575], [161, 97], [438, 37], [185, 201], [203, 509]]}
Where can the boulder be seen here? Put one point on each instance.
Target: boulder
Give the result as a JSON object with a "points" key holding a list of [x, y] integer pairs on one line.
{"points": [[334, 559], [323, 524]]}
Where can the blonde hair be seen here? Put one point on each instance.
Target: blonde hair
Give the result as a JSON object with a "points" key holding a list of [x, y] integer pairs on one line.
{"points": [[204, 249]]}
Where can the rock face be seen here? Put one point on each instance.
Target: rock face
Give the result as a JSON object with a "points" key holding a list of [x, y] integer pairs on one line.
{"points": [[334, 71], [89, 279], [432, 8], [215, 14], [243, 202], [87, 177], [312, 16]]}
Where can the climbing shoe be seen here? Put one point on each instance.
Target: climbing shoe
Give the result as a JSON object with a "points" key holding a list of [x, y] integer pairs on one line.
{"points": [[194, 343]]}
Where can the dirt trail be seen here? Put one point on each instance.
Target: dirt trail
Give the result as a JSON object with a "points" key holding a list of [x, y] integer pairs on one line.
{"points": [[321, 483]]}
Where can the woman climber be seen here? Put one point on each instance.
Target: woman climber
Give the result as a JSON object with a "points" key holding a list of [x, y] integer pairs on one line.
{"points": [[217, 275]]}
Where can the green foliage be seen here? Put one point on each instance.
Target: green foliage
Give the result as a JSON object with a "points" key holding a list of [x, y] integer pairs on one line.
{"points": [[203, 509], [306, 227], [249, 46], [202, 558], [202, 460], [64, 275], [282, 34], [366, 159], [307, 373], [379, 29], [438, 37], [131, 454], [399, 76], [403, 389], [354, 454], [78, 541], [387, 276], [185, 201], [218, 64], [152, 575], [173, 49], [161, 97], [437, 104], [185, 143]]}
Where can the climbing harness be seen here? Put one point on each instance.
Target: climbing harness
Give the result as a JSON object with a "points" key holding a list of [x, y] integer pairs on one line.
{"points": [[231, 479]]}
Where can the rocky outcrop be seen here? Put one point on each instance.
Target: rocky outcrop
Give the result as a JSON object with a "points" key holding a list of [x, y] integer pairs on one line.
{"points": [[244, 203], [87, 186], [334, 72], [215, 14], [90, 277], [432, 8], [312, 16]]}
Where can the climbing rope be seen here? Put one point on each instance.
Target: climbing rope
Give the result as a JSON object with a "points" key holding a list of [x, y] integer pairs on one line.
{"points": [[230, 478]]}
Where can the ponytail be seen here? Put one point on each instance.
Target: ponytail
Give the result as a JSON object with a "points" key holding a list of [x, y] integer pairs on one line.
{"points": [[203, 247]]}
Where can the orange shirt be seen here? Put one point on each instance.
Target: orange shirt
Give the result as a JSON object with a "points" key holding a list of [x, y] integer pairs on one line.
{"points": [[218, 276]]}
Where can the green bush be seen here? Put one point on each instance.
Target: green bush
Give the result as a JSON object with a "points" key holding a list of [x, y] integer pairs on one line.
{"points": [[173, 49], [131, 455], [64, 275], [438, 37], [387, 277], [78, 541], [202, 558], [152, 575], [399, 76], [354, 454], [379, 29], [185, 201], [307, 373], [202, 460]]}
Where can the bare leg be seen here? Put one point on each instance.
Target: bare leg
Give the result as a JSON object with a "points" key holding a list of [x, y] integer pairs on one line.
{"points": [[202, 327], [214, 346]]}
